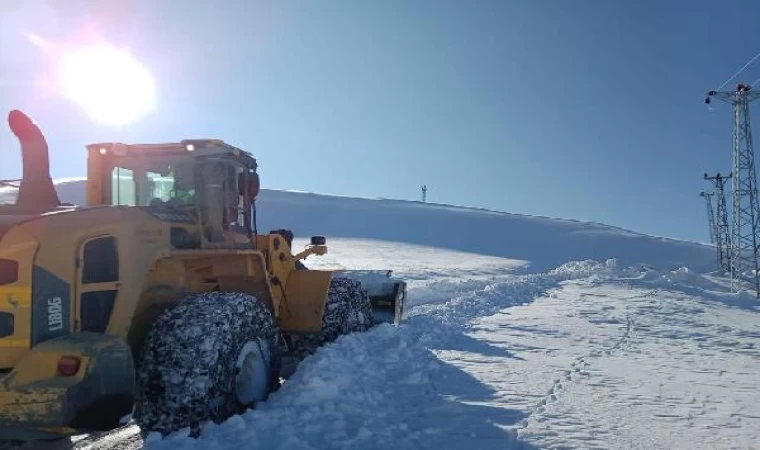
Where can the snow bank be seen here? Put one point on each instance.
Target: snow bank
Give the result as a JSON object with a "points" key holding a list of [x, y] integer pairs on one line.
{"points": [[701, 285], [514, 290], [543, 242]]}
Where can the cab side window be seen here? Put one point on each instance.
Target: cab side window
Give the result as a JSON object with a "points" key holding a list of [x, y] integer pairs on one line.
{"points": [[123, 187]]}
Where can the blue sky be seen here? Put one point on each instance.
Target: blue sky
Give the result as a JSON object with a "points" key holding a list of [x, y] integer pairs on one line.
{"points": [[583, 109]]}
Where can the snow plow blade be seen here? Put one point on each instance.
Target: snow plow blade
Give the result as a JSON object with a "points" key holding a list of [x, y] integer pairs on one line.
{"points": [[387, 294]]}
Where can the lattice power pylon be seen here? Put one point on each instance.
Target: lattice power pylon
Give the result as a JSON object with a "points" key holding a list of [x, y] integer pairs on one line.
{"points": [[722, 234], [746, 213], [710, 214]]}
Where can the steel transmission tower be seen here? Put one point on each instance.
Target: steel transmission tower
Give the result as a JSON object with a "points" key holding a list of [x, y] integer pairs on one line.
{"points": [[710, 214], [722, 234], [746, 213]]}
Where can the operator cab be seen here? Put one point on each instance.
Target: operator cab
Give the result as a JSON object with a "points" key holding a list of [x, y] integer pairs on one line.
{"points": [[204, 177]]}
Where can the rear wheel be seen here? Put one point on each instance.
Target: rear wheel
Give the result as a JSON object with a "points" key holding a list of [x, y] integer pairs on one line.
{"points": [[211, 356]]}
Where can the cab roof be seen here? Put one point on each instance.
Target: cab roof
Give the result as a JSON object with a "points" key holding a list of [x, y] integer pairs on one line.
{"points": [[201, 147]]}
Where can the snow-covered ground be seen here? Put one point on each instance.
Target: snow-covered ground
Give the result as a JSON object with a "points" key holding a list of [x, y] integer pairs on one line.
{"points": [[589, 355], [523, 333]]}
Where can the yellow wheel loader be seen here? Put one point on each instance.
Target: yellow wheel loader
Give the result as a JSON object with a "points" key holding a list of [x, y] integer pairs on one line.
{"points": [[159, 298]]}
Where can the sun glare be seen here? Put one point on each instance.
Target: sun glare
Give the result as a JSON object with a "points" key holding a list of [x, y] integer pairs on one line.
{"points": [[108, 83]]}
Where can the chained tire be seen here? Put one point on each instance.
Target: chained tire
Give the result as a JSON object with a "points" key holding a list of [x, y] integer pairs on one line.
{"points": [[348, 309], [211, 356]]}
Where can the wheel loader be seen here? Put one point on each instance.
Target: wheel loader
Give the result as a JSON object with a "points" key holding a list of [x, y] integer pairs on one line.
{"points": [[159, 298]]}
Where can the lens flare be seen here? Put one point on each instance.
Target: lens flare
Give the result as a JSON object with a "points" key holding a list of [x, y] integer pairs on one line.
{"points": [[108, 83]]}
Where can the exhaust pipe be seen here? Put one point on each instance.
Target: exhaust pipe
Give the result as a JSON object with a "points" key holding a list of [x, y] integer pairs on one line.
{"points": [[36, 190]]}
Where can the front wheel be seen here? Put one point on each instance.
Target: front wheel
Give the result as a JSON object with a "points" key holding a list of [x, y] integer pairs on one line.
{"points": [[209, 357], [347, 310]]}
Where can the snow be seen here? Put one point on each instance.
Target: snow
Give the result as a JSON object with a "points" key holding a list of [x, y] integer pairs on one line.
{"points": [[589, 355], [522, 333]]}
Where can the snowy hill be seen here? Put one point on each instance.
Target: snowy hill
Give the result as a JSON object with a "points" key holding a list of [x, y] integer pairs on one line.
{"points": [[541, 243]]}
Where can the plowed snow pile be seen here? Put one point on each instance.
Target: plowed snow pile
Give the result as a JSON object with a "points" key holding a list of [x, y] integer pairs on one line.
{"points": [[524, 332]]}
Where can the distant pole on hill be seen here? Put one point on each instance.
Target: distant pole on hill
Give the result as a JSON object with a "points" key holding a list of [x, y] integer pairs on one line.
{"points": [[722, 235], [746, 211], [710, 214], [424, 193]]}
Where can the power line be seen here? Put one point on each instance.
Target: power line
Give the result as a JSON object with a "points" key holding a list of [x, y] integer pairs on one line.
{"points": [[737, 73]]}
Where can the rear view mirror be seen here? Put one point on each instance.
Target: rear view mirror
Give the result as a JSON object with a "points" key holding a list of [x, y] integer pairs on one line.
{"points": [[248, 185]]}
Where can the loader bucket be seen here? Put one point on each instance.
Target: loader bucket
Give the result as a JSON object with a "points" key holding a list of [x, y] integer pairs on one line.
{"points": [[387, 294]]}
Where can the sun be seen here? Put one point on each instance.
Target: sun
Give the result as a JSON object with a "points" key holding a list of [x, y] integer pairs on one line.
{"points": [[108, 83]]}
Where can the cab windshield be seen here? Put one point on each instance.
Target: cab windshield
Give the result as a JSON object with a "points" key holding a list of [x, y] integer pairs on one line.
{"points": [[158, 181], [154, 183], [208, 186]]}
